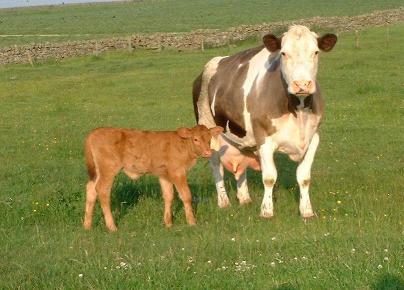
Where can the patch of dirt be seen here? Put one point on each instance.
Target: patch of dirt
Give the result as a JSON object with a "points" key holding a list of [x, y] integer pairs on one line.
{"points": [[197, 39]]}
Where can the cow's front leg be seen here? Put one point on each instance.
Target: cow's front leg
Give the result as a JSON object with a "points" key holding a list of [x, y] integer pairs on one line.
{"points": [[303, 177], [269, 176], [218, 173], [242, 189]]}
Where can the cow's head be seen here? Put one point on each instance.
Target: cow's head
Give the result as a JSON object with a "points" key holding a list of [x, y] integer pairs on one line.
{"points": [[200, 137], [298, 49]]}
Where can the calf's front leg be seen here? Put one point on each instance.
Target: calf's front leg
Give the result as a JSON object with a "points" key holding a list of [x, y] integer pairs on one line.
{"points": [[181, 184], [168, 196], [269, 176], [303, 173]]}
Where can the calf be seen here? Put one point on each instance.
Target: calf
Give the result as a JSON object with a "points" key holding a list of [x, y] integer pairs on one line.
{"points": [[167, 155]]}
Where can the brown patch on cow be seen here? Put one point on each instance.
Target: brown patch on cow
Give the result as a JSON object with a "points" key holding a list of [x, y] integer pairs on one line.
{"points": [[226, 86], [167, 155], [269, 182], [271, 42], [270, 95], [306, 182], [327, 42]]}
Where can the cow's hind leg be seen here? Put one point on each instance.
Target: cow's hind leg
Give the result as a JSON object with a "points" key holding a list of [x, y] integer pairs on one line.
{"points": [[269, 176], [303, 178], [243, 194], [218, 173]]}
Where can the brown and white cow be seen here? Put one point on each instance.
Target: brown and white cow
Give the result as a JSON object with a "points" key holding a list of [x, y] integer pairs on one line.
{"points": [[168, 155], [267, 99]]}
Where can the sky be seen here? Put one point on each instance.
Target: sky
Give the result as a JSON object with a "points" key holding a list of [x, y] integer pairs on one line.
{"points": [[23, 3]]}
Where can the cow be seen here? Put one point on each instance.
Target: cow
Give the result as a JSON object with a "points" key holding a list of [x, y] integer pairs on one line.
{"points": [[165, 154], [268, 99]]}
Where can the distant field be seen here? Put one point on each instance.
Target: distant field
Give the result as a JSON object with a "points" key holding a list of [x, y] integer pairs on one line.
{"points": [[101, 20], [356, 242]]}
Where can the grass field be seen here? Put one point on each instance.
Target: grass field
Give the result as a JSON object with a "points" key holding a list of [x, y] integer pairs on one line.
{"points": [[74, 22], [356, 242]]}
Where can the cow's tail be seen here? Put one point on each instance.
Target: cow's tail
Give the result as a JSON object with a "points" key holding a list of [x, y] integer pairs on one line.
{"points": [[92, 173], [201, 85]]}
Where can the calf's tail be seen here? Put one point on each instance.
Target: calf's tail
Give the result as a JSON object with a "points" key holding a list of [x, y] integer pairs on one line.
{"points": [[90, 161]]}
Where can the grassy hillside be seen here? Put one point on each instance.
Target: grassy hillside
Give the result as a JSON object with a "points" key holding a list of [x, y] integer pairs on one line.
{"points": [[101, 20], [356, 242]]}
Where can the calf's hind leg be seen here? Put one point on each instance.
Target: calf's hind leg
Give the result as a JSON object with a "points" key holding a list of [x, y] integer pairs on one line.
{"points": [[91, 197]]}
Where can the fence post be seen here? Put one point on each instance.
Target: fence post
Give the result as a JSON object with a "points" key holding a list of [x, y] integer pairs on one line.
{"points": [[29, 57], [202, 45], [130, 47]]}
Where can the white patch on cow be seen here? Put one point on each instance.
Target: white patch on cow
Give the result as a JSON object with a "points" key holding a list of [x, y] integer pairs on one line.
{"points": [[293, 134], [212, 106], [303, 173], [269, 175]]}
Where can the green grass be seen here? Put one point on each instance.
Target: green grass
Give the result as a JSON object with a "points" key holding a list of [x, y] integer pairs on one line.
{"points": [[101, 20], [357, 190]]}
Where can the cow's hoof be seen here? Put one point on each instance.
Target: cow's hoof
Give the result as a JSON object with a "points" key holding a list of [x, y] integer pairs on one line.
{"points": [[307, 213], [244, 200], [223, 201], [267, 214]]}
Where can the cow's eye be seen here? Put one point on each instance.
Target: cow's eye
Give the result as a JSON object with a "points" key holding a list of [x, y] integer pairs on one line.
{"points": [[196, 139], [316, 52], [283, 54]]}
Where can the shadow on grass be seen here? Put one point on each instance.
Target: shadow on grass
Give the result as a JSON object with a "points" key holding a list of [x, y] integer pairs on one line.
{"points": [[126, 193], [285, 287], [389, 282]]}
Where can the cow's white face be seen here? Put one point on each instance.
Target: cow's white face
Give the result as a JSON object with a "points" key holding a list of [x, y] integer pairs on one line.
{"points": [[298, 49]]}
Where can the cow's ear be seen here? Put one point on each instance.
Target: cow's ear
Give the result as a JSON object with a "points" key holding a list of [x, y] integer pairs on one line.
{"points": [[272, 43], [215, 131], [184, 133], [327, 42]]}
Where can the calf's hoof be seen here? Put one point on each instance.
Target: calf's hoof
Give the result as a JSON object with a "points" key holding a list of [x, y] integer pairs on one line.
{"points": [[168, 225], [112, 228], [223, 201], [87, 226]]}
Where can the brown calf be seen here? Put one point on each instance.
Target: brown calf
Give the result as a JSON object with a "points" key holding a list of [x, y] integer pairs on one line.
{"points": [[167, 155]]}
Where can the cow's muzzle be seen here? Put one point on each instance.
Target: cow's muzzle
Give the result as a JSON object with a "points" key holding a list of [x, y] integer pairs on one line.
{"points": [[302, 88]]}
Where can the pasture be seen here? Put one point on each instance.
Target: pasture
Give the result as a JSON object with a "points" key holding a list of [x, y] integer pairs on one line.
{"points": [[355, 242], [89, 21]]}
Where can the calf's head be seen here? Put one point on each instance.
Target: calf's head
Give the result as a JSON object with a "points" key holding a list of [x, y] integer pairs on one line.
{"points": [[299, 48], [200, 137]]}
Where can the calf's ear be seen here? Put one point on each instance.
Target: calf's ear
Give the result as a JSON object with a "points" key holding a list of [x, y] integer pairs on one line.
{"points": [[184, 133], [215, 131], [272, 43], [326, 42]]}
